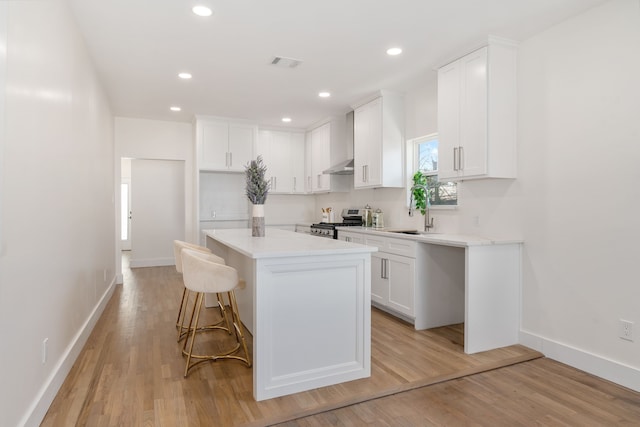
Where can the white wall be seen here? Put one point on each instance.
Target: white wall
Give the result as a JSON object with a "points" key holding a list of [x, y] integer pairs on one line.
{"points": [[579, 132], [575, 202], [57, 262], [160, 140]]}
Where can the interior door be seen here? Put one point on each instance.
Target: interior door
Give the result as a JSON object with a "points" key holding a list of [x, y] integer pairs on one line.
{"points": [[158, 211], [125, 214]]}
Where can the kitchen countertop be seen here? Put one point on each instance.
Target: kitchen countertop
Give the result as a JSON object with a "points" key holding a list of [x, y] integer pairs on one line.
{"points": [[459, 240], [282, 243]]}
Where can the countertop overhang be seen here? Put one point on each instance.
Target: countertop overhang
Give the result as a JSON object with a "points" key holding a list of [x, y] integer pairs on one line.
{"points": [[281, 243], [447, 239]]}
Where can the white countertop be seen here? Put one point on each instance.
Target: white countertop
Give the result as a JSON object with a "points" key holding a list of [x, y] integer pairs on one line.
{"points": [[445, 239], [281, 243]]}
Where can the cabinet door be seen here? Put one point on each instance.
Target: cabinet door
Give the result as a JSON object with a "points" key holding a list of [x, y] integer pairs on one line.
{"points": [[241, 146], [320, 158], [361, 130], [214, 146], [282, 181], [308, 171], [379, 280], [448, 120], [373, 172], [473, 114], [297, 163], [367, 145], [401, 272]]}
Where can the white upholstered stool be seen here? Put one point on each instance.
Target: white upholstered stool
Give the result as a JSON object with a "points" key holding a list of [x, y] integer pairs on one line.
{"points": [[202, 274], [178, 246]]}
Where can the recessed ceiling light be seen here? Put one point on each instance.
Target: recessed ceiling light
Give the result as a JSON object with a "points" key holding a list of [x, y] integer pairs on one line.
{"points": [[286, 119], [185, 76], [324, 94], [175, 108], [202, 10], [394, 51]]}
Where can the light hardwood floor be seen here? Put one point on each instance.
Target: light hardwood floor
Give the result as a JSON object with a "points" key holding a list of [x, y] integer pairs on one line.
{"points": [[130, 374]]}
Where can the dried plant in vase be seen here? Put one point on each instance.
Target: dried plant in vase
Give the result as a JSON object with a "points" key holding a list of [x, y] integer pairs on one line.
{"points": [[257, 188]]}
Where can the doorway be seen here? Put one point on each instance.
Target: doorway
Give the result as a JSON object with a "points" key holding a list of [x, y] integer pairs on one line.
{"points": [[155, 211]]}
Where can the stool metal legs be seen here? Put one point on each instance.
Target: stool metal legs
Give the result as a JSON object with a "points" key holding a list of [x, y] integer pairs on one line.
{"points": [[193, 330], [182, 316]]}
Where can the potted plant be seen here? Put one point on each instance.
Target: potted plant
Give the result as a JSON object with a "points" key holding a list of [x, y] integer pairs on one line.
{"points": [[257, 188]]}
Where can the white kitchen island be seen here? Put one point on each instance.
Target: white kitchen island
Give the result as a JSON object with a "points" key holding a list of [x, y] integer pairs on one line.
{"points": [[307, 303]]}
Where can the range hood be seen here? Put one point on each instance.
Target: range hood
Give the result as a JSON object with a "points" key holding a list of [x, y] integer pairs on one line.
{"points": [[345, 167], [342, 168]]}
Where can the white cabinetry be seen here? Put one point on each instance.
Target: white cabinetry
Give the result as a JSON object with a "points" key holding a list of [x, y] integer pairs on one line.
{"points": [[351, 237], [320, 160], [379, 142], [224, 145], [393, 274], [283, 154], [327, 142], [477, 114]]}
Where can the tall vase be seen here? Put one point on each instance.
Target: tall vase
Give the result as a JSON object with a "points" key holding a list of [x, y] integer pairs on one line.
{"points": [[257, 221]]}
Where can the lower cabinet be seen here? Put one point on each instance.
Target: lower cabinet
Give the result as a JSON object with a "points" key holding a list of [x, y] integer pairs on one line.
{"points": [[393, 272], [393, 282]]}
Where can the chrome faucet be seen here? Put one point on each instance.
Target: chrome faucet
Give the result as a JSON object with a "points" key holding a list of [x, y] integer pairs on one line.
{"points": [[428, 221]]}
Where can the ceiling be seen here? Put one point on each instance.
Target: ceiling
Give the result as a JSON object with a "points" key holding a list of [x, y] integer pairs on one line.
{"points": [[139, 47]]}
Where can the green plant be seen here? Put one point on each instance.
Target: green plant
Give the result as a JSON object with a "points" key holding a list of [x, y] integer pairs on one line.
{"points": [[257, 186], [420, 190]]}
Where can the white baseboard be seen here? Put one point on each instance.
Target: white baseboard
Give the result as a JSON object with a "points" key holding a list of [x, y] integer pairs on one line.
{"points": [[38, 409], [619, 373], [151, 262]]}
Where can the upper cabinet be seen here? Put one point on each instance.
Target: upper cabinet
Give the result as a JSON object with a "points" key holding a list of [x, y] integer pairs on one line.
{"points": [[477, 114], [224, 145], [327, 143], [283, 154], [378, 145]]}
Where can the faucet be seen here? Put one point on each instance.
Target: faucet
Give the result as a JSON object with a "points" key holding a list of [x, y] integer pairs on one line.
{"points": [[428, 221]]}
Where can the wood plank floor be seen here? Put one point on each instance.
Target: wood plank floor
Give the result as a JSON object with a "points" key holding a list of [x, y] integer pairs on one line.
{"points": [[130, 374]]}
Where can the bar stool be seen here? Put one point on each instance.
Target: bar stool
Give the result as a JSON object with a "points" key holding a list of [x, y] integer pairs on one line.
{"points": [[178, 246], [203, 274]]}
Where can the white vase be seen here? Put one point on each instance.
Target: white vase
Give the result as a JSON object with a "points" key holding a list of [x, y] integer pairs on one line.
{"points": [[257, 221]]}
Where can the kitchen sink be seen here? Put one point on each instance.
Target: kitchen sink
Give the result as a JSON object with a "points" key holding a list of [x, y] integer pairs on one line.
{"points": [[414, 232]]}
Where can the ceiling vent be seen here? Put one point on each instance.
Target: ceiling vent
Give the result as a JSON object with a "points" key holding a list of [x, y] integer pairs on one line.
{"points": [[283, 62]]}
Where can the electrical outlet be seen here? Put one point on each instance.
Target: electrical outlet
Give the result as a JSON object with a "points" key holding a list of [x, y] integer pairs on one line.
{"points": [[626, 330], [45, 344]]}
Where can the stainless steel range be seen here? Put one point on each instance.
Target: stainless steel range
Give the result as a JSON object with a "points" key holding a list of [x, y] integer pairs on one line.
{"points": [[350, 217]]}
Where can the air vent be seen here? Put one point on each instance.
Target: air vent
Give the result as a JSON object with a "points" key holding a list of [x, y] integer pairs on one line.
{"points": [[283, 62]]}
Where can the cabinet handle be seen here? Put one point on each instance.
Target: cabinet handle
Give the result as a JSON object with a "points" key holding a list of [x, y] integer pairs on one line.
{"points": [[230, 159], [319, 176], [461, 158], [455, 158], [382, 268], [366, 174], [347, 239]]}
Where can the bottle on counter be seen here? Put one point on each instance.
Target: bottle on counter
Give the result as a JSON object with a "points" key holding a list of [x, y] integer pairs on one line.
{"points": [[367, 217], [378, 219]]}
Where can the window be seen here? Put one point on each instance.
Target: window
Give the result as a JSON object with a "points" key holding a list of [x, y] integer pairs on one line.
{"points": [[423, 153]]}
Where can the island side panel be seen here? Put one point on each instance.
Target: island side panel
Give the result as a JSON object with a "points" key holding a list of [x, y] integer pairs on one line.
{"points": [[313, 322], [246, 272], [492, 294]]}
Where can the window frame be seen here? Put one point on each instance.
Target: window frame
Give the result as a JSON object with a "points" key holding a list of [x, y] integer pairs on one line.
{"points": [[413, 156]]}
